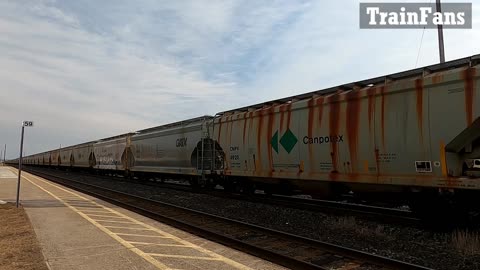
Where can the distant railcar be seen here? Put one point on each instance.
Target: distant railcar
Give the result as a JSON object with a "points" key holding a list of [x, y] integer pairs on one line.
{"points": [[46, 161], [179, 148], [39, 159], [82, 155], [109, 153], [172, 148], [64, 156], [54, 158]]}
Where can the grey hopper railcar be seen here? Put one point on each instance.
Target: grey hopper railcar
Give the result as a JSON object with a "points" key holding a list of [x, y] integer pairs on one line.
{"points": [[65, 155], [182, 149], [82, 155], [109, 154], [54, 159]]}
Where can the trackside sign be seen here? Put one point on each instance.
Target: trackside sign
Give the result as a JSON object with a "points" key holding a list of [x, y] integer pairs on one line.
{"points": [[415, 15]]}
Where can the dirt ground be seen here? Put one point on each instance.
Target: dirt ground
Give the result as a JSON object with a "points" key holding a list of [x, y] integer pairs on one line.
{"points": [[19, 248]]}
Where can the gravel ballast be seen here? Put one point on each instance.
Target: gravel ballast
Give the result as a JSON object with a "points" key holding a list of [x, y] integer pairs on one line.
{"points": [[437, 250]]}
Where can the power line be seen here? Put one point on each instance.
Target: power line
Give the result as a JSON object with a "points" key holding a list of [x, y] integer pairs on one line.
{"points": [[421, 41], [420, 47]]}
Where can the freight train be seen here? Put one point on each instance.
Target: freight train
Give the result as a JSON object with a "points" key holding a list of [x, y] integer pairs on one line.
{"points": [[412, 136]]}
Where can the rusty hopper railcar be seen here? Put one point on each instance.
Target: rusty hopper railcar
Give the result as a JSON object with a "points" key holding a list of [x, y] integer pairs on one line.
{"points": [[407, 132], [182, 148]]}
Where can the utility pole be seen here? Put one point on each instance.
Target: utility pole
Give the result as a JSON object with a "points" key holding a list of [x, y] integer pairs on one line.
{"points": [[441, 48], [4, 153]]}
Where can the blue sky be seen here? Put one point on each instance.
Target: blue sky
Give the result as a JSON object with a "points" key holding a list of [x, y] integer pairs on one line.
{"points": [[85, 69]]}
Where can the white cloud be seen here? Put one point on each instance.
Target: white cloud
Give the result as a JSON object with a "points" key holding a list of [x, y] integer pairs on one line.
{"points": [[89, 69], [79, 85], [324, 47]]}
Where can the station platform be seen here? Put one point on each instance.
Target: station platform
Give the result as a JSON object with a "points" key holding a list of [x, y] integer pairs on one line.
{"points": [[77, 231]]}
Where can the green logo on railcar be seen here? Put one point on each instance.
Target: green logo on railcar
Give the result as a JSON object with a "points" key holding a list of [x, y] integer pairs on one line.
{"points": [[274, 141], [288, 141]]}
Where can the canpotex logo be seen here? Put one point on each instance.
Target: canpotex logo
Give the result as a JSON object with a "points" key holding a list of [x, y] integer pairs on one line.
{"points": [[415, 15]]}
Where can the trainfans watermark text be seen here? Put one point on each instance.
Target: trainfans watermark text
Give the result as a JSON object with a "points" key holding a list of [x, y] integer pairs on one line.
{"points": [[415, 15]]}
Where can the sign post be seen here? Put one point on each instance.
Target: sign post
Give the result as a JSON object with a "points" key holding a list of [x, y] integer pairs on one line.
{"points": [[24, 124]]}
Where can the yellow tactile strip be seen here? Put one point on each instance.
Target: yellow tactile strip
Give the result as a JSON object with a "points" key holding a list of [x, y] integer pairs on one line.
{"points": [[140, 235]]}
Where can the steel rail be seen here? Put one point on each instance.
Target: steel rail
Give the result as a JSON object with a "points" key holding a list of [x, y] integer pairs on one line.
{"points": [[376, 213]]}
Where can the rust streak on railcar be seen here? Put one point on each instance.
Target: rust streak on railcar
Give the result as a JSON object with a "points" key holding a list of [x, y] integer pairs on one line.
{"points": [[282, 116], [250, 126], [319, 103], [219, 129], [382, 125], [371, 107], [437, 78], [334, 120], [443, 159], [231, 123], [289, 114], [259, 138], [311, 112], [271, 119], [468, 76], [419, 93], [353, 119], [244, 126], [229, 139], [250, 140]]}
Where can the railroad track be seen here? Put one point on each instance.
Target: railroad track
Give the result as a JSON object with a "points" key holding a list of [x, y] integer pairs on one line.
{"points": [[383, 214], [285, 249], [378, 214]]}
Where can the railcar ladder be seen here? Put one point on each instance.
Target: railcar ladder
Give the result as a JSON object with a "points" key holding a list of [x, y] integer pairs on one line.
{"points": [[205, 154]]}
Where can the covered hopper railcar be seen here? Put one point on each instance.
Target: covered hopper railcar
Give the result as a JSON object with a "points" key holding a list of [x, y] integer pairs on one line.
{"points": [[182, 149], [65, 155], [54, 159], [44, 158], [110, 154], [415, 133], [82, 155]]}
